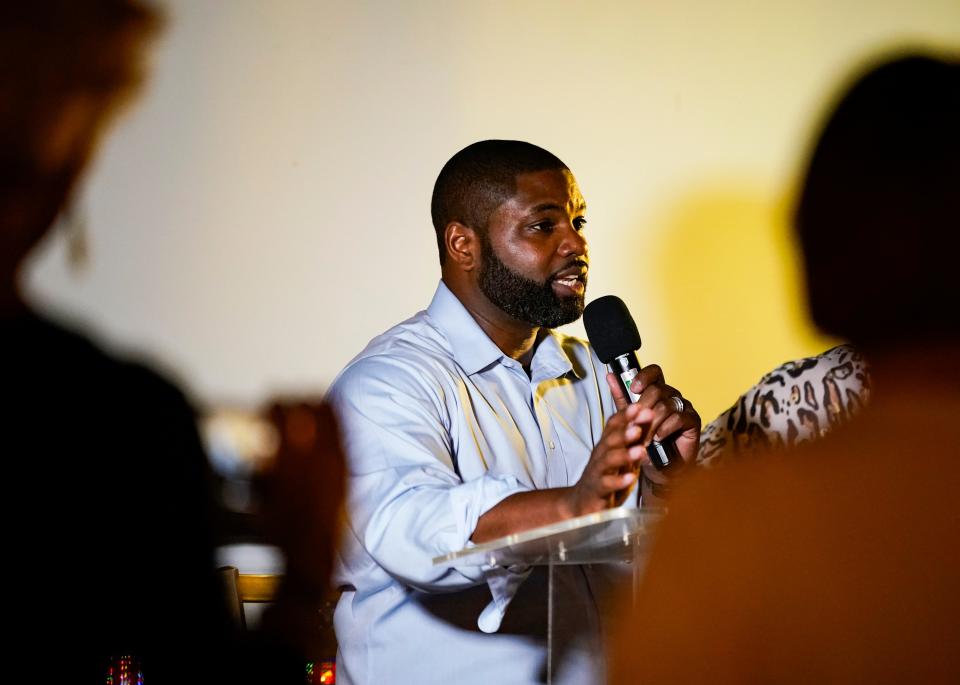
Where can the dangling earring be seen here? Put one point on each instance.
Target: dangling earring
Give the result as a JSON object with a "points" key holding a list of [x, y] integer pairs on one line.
{"points": [[74, 223]]}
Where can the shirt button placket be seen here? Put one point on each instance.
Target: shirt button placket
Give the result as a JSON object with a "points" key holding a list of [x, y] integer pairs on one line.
{"points": [[546, 432]]}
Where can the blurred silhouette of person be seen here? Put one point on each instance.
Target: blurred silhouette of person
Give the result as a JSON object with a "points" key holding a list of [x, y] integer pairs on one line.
{"points": [[108, 508], [839, 562], [301, 496], [799, 401]]}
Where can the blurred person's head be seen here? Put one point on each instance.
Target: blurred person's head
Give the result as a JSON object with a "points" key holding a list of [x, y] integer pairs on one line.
{"points": [[68, 65], [879, 212]]}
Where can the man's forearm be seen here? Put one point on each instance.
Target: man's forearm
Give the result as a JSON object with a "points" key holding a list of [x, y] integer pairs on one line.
{"points": [[523, 511]]}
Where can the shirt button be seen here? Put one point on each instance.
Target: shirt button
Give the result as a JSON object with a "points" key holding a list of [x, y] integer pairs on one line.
{"points": [[552, 446]]}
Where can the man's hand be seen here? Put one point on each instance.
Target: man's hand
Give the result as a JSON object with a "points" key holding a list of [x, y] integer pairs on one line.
{"points": [[611, 472], [664, 421], [614, 462]]}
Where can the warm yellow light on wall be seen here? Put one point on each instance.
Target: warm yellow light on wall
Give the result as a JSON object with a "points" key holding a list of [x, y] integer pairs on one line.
{"points": [[728, 276]]}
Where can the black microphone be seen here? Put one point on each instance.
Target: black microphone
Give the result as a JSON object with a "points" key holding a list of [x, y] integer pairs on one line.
{"points": [[614, 337]]}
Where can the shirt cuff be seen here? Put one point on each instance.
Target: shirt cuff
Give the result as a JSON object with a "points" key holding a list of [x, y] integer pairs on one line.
{"points": [[503, 584], [475, 498]]}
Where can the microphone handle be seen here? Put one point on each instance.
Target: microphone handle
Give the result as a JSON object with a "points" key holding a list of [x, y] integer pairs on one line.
{"points": [[663, 455]]}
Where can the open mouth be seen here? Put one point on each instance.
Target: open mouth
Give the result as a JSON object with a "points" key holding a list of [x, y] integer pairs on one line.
{"points": [[572, 280], [569, 281]]}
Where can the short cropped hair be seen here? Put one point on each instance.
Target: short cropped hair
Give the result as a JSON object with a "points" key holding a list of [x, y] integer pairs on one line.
{"points": [[480, 178], [878, 218]]}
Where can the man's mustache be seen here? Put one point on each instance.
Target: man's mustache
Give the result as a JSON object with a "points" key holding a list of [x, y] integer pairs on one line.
{"points": [[577, 262]]}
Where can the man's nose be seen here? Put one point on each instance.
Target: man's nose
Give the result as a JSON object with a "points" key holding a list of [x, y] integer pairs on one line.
{"points": [[573, 243]]}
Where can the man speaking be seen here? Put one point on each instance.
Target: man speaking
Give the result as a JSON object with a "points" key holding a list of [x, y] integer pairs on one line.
{"points": [[473, 420]]}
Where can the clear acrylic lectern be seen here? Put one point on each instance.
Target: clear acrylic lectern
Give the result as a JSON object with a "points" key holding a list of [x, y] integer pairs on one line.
{"points": [[612, 535]]}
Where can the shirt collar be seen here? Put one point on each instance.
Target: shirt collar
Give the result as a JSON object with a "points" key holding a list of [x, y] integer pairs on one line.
{"points": [[550, 360], [474, 350]]}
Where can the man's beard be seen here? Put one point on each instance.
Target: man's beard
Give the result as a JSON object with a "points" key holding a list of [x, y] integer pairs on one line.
{"points": [[523, 298]]}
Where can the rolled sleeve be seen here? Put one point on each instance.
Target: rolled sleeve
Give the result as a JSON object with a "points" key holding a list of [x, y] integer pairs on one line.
{"points": [[406, 500], [420, 517]]}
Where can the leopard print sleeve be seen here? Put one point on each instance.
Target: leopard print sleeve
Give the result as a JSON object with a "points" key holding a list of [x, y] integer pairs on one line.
{"points": [[796, 402]]}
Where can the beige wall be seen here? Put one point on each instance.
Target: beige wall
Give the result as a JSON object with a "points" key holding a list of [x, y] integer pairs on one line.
{"points": [[264, 210]]}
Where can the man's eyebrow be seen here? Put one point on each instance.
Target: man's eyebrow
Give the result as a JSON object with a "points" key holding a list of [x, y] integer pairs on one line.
{"points": [[548, 206]]}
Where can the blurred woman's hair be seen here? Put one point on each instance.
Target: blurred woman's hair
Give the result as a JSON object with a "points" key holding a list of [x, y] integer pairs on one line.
{"points": [[68, 65], [878, 218]]}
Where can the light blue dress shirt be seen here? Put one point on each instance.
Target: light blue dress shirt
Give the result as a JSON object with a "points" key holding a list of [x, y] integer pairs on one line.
{"points": [[439, 426]]}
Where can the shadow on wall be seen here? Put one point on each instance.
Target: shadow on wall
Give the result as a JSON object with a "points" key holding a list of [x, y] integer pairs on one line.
{"points": [[728, 283]]}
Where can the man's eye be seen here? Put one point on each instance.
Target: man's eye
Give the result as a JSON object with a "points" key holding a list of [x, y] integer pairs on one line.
{"points": [[580, 223], [545, 226]]}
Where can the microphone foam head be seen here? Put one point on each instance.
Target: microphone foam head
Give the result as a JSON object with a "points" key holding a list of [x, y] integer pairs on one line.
{"points": [[610, 328]]}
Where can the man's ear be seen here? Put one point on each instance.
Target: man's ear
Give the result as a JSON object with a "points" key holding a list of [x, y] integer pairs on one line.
{"points": [[463, 245]]}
